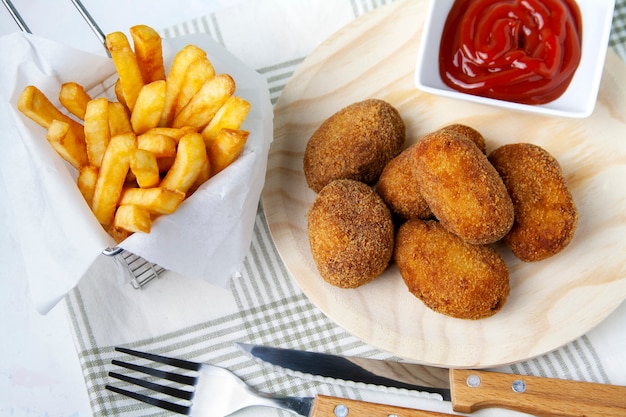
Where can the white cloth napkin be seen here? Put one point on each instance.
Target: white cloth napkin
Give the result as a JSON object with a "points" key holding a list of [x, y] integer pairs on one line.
{"points": [[189, 318]]}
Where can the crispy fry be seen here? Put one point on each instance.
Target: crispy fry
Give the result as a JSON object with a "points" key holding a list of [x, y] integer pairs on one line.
{"points": [[97, 133], [119, 121], [126, 65], [115, 166], [74, 98], [156, 200], [227, 147], [175, 79], [230, 116], [86, 181], [165, 163], [199, 72], [149, 52], [206, 102], [148, 107], [132, 218], [143, 164], [205, 174], [174, 133], [161, 146], [119, 94], [187, 166], [36, 106], [66, 144]]}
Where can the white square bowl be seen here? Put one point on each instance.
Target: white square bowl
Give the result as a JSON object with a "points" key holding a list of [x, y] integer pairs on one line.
{"points": [[577, 101]]}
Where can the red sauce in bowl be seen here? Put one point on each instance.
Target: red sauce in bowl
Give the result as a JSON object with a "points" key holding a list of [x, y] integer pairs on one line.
{"points": [[525, 51]]}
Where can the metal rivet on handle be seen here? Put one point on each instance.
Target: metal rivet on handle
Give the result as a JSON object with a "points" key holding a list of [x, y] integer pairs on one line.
{"points": [[519, 385], [341, 410], [473, 381]]}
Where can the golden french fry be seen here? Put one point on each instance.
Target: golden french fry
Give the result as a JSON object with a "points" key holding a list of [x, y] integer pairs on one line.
{"points": [[175, 79], [190, 157], [198, 73], [115, 167], [63, 140], [74, 98], [36, 106], [206, 102], [230, 116], [132, 218], [174, 133], [205, 174], [119, 94], [165, 163], [86, 181], [143, 164], [148, 107], [119, 122], [149, 52], [97, 132], [156, 200], [126, 64], [161, 146], [227, 147]]}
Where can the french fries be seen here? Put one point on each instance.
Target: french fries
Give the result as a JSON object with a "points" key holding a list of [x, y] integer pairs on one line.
{"points": [[149, 53], [74, 98], [190, 158], [115, 166], [141, 156], [131, 80], [148, 107], [97, 131]]}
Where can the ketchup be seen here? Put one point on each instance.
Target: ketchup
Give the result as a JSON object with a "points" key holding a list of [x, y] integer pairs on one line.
{"points": [[524, 51]]}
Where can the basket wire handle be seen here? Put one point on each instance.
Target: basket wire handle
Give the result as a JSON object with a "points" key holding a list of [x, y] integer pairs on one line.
{"points": [[141, 270], [15, 14]]}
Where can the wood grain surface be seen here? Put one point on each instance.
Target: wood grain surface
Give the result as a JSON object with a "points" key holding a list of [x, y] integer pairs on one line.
{"points": [[552, 302]]}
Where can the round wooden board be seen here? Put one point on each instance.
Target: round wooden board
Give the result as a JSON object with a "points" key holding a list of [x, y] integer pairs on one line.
{"points": [[552, 302]]}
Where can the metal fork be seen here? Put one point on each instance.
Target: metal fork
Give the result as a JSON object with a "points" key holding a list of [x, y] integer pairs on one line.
{"points": [[206, 390]]}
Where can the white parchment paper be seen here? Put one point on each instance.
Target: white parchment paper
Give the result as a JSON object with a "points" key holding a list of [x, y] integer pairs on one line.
{"points": [[55, 236]]}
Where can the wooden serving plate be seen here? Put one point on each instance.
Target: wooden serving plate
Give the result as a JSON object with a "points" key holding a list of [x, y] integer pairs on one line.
{"points": [[552, 302]]}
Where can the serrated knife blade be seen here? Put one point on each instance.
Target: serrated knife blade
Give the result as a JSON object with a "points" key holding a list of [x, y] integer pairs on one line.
{"points": [[468, 390]]}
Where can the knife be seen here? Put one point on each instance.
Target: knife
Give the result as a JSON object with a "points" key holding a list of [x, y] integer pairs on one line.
{"points": [[468, 390]]}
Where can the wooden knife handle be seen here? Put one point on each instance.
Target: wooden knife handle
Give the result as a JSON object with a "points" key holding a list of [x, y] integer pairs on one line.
{"points": [[325, 406], [473, 390]]}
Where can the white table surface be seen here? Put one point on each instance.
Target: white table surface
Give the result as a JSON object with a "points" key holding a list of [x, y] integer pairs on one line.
{"points": [[39, 371]]}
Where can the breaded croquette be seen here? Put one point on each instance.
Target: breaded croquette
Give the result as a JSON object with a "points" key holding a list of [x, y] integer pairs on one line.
{"points": [[461, 187], [470, 133], [398, 184], [545, 213], [449, 275], [400, 190], [351, 233], [355, 143]]}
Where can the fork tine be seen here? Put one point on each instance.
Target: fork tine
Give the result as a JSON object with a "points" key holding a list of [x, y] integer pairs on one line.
{"points": [[175, 392], [166, 405], [170, 376], [179, 363]]}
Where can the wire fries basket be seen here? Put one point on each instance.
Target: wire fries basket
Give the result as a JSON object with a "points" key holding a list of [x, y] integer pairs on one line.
{"points": [[141, 270]]}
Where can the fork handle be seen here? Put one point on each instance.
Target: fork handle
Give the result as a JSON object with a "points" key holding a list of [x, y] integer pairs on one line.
{"points": [[325, 406]]}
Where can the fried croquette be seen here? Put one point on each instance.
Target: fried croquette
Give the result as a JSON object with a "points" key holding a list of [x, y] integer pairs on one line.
{"points": [[545, 213], [398, 184], [354, 143], [400, 190], [470, 133], [461, 187], [351, 233], [449, 275]]}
